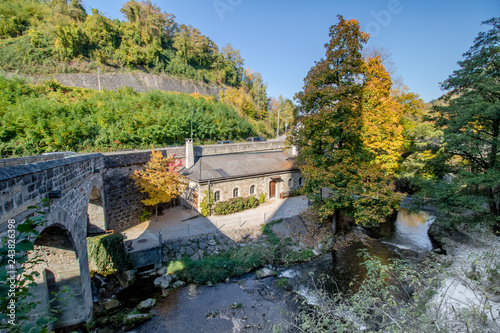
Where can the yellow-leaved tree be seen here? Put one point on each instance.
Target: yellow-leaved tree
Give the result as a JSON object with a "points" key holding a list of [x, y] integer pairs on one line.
{"points": [[160, 179], [382, 129]]}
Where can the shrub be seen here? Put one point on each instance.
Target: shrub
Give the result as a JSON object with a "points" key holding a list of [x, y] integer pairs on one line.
{"points": [[206, 203], [145, 215], [262, 198], [235, 205], [297, 191], [106, 254]]}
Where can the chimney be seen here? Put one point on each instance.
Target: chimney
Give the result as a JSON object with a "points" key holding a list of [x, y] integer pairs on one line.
{"points": [[189, 153]]}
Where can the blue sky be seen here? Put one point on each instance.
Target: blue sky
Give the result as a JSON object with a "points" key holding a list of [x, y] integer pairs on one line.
{"points": [[282, 39]]}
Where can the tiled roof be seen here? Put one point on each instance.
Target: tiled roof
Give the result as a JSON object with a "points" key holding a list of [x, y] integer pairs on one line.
{"points": [[219, 167]]}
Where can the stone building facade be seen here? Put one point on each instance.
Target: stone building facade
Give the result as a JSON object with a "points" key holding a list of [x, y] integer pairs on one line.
{"points": [[227, 176]]}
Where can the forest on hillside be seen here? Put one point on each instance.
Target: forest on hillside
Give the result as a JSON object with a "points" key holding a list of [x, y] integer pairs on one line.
{"points": [[59, 36]]}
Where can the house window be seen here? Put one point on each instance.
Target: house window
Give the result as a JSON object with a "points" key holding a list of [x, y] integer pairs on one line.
{"points": [[216, 196], [290, 183], [235, 193], [300, 181], [252, 190]]}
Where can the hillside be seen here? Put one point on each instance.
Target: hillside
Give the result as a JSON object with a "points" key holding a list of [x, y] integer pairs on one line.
{"points": [[59, 36], [52, 117]]}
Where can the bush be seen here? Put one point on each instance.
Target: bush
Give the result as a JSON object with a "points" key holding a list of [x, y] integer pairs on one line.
{"points": [[51, 117], [297, 191], [206, 203], [235, 205], [106, 254]]}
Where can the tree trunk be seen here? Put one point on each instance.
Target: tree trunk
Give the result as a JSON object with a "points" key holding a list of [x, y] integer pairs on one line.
{"points": [[341, 223]]}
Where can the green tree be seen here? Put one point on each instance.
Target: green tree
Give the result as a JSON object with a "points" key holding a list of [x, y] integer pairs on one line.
{"points": [[103, 36], [333, 152], [470, 121], [232, 65]]}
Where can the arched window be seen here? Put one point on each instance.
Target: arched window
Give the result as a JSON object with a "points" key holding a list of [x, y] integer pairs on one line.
{"points": [[290, 183], [252, 190], [235, 193], [216, 196], [300, 181]]}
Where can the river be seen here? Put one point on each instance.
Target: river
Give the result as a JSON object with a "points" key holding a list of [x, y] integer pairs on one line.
{"points": [[248, 304]]}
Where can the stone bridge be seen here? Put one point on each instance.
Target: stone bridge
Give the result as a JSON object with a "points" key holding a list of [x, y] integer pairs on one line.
{"points": [[87, 194], [75, 189]]}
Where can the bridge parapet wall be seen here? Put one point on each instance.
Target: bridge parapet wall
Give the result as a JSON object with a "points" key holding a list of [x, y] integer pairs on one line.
{"points": [[22, 186]]}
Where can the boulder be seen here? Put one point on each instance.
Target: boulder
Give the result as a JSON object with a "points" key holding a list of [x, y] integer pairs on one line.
{"points": [[178, 284], [265, 272], [126, 278], [111, 303], [318, 249], [163, 281], [133, 320], [146, 304]]}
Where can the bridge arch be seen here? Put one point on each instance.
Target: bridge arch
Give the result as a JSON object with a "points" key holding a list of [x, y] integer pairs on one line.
{"points": [[62, 286], [96, 212]]}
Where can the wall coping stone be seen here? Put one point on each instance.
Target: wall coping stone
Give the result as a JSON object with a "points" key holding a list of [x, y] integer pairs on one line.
{"points": [[27, 169]]}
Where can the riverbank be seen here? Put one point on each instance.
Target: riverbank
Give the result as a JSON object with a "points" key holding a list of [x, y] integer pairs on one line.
{"points": [[216, 294], [235, 270], [468, 296]]}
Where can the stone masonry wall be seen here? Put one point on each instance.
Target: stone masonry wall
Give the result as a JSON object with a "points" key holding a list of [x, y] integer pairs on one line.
{"points": [[5, 162], [206, 245], [141, 82], [261, 183]]}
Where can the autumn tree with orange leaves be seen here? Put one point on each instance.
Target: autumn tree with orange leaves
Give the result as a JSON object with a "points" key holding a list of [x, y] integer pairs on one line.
{"points": [[160, 179], [350, 136]]}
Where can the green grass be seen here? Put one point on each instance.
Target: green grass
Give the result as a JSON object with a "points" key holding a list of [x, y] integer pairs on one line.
{"points": [[217, 268], [266, 230], [239, 260]]}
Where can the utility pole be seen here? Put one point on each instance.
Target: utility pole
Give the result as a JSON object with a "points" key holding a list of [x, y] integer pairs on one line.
{"points": [[98, 80], [278, 127]]}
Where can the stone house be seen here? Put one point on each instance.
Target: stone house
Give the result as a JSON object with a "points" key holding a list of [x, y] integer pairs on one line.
{"points": [[231, 175]]}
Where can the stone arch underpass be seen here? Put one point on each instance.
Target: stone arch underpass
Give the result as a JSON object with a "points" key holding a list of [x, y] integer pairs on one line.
{"points": [[74, 188]]}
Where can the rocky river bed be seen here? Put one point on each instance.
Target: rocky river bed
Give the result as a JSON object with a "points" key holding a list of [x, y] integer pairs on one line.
{"points": [[269, 302]]}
